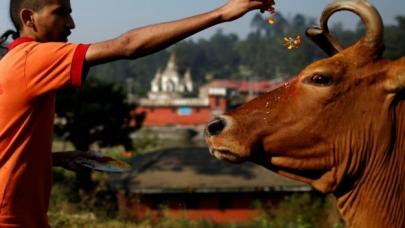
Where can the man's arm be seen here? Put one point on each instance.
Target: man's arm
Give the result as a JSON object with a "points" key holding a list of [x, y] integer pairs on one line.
{"points": [[146, 40]]}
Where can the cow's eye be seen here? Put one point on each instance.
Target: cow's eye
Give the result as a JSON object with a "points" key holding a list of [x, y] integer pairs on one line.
{"points": [[319, 79]]}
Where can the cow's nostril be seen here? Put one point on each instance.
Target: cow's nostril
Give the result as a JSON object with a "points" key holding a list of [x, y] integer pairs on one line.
{"points": [[216, 126]]}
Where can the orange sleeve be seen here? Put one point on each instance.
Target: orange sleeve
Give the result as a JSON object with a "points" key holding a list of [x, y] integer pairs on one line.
{"points": [[50, 66]]}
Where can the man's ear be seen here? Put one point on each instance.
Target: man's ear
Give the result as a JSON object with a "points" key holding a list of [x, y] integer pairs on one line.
{"points": [[27, 18]]}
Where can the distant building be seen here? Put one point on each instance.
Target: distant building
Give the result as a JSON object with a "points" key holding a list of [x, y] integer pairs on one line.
{"points": [[167, 105], [190, 183], [169, 83]]}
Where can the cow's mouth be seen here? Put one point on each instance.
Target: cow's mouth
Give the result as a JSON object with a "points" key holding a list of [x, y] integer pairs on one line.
{"points": [[226, 155]]}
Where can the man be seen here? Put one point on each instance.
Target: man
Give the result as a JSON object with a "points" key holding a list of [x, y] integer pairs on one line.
{"points": [[39, 62]]}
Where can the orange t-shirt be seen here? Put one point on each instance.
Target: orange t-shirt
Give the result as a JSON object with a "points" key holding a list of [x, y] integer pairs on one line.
{"points": [[30, 74]]}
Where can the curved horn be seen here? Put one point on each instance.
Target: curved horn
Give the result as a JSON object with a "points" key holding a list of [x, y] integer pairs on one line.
{"points": [[324, 40], [369, 15]]}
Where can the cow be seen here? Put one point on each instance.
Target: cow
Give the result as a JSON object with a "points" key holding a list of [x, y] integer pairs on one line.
{"points": [[339, 125]]}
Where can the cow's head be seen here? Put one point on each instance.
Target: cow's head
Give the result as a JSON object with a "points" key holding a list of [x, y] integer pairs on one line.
{"points": [[321, 126]]}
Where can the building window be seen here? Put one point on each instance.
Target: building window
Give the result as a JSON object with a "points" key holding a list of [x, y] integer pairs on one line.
{"points": [[184, 111]]}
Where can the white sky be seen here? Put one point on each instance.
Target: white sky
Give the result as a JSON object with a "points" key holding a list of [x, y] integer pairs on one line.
{"points": [[98, 20]]}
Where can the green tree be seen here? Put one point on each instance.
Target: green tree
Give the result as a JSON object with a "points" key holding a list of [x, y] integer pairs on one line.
{"points": [[394, 35], [191, 56], [97, 113], [217, 56], [259, 25], [140, 70]]}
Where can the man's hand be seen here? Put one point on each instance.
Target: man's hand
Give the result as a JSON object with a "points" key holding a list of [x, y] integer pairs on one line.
{"points": [[67, 160], [237, 8]]}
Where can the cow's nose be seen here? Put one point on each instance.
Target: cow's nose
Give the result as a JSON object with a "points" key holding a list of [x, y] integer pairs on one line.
{"points": [[216, 126]]}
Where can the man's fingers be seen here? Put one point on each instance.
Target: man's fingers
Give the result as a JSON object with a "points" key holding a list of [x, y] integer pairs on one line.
{"points": [[263, 5]]}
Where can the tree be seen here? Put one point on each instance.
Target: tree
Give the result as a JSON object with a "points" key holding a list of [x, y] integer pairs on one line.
{"points": [[259, 24], [140, 70], [98, 114], [394, 34]]}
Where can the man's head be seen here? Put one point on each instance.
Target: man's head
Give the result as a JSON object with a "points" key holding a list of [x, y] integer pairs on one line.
{"points": [[42, 20]]}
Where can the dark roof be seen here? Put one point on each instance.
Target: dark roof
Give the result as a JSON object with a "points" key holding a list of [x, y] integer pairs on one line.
{"points": [[195, 170]]}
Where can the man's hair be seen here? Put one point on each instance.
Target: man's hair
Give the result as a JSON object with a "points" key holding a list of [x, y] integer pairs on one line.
{"points": [[15, 7]]}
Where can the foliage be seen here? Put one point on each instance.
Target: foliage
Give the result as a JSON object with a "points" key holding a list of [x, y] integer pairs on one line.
{"points": [[300, 210], [394, 34], [120, 71], [97, 113], [66, 198], [147, 142]]}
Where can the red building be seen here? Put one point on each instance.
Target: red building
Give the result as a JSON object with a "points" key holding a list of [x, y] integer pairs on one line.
{"points": [[192, 184], [166, 105]]}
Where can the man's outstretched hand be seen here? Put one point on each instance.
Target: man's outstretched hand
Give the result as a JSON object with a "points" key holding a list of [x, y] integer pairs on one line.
{"points": [[237, 8]]}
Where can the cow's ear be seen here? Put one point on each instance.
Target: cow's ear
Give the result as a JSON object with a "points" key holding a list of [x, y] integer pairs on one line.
{"points": [[396, 76]]}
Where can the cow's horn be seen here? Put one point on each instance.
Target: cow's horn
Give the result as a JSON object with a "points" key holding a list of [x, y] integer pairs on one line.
{"points": [[369, 15], [324, 40]]}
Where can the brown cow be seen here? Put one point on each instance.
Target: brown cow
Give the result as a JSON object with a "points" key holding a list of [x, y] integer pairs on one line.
{"points": [[338, 126]]}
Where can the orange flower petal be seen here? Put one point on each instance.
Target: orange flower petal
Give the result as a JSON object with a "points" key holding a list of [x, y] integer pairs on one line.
{"points": [[271, 20]]}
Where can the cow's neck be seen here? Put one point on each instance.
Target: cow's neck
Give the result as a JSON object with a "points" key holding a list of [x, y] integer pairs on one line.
{"points": [[378, 199], [376, 203]]}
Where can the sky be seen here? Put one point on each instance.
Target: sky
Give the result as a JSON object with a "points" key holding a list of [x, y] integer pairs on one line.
{"points": [[98, 20]]}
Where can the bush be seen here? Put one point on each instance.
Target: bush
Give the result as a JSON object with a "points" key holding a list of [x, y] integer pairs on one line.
{"points": [[300, 210]]}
